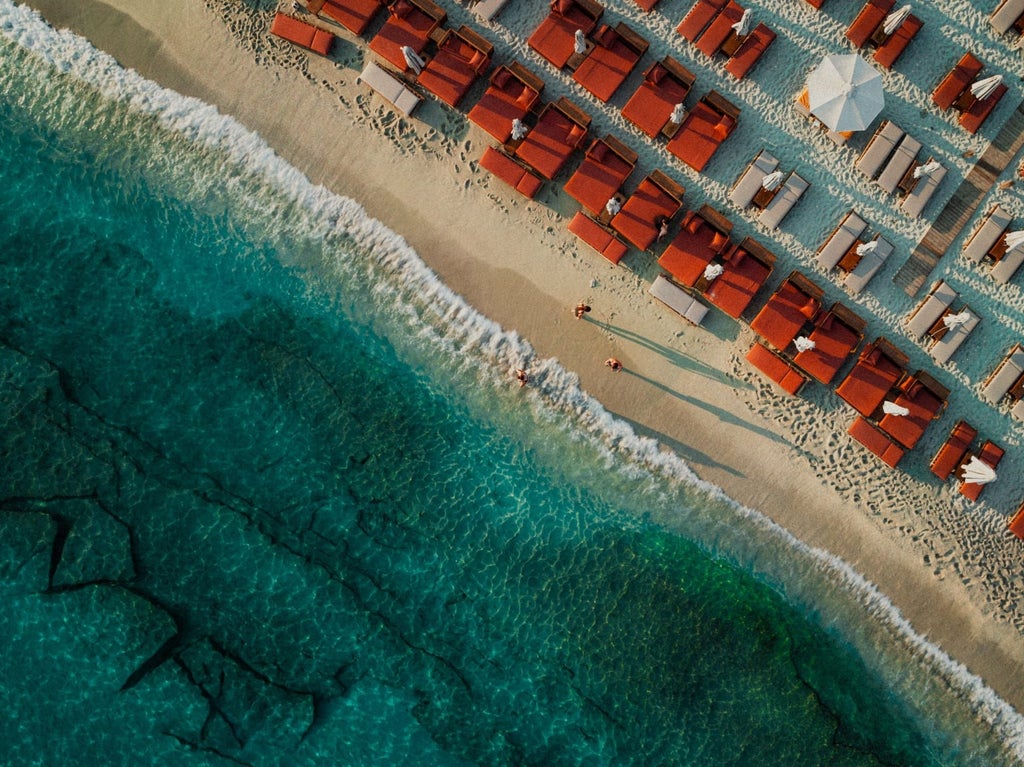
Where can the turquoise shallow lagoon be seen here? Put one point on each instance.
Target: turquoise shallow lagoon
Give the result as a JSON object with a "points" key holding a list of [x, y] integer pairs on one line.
{"points": [[262, 507]]}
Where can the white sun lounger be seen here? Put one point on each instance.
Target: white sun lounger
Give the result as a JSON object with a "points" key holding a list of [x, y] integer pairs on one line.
{"points": [[943, 349], [997, 222], [783, 201], [1006, 374], [868, 266], [403, 98], [840, 241], [928, 311], [488, 9], [923, 190], [879, 148], [746, 186], [678, 300], [899, 163], [1005, 14], [1007, 266]]}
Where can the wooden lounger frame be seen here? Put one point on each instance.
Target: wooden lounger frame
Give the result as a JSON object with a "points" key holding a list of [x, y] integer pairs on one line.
{"points": [[803, 282], [620, 149], [720, 104], [570, 110], [715, 219], [667, 185], [847, 316], [758, 251], [677, 70], [433, 10], [893, 352], [475, 41]]}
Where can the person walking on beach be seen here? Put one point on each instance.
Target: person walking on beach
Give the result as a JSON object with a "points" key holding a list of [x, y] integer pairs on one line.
{"points": [[522, 377], [581, 309], [614, 364]]}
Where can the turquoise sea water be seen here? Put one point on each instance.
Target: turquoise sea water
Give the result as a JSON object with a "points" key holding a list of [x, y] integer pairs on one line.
{"points": [[262, 506]]}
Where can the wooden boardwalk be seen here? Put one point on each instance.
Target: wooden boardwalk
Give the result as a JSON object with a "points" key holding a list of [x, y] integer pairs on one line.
{"points": [[962, 205]]}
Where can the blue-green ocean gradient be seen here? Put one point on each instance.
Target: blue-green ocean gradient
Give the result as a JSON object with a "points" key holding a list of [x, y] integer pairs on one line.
{"points": [[252, 512]]}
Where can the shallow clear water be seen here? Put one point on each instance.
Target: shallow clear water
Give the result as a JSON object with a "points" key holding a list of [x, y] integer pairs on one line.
{"points": [[258, 506]]}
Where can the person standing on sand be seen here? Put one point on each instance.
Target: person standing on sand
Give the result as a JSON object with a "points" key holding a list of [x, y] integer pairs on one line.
{"points": [[581, 309], [614, 364], [522, 377]]}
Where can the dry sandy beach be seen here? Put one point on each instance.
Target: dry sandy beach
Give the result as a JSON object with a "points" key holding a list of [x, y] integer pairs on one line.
{"points": [[949, 566]]}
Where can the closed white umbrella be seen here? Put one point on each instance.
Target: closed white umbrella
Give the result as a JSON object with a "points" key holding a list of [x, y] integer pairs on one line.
{"points": [[977, 472], [613, 206], [953, 320], [742, 27], [518, 129], [892, 408], [893, 20], [412, 59], [1014, 239], [866, 247], [803, 344], [927, 169], [711, 271], [678, 113], [845, 92], [983, 88], [579, 44], [772, 181]]}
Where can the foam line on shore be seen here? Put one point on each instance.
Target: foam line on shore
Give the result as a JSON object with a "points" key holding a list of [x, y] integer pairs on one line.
{"points": [[457, 327]]}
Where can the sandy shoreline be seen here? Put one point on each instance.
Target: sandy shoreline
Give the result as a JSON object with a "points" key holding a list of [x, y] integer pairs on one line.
{"points": [[518, 265]]}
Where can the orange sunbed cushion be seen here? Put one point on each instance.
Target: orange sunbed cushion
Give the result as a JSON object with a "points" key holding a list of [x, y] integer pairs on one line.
{"points": [[775, 368], [876, 441], [597, 237]]}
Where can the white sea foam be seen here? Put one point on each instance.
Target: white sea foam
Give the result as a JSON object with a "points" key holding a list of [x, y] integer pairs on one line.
{"points": [[476, 341]]}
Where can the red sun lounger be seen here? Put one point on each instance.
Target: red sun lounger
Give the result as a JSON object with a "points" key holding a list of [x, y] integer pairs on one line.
{"points": [[511, 94], [750, 51], [719, 29], [700, 15], [990, 454], [925, 398], [520, 178], [953, 451], [462, 57], [887, 53], [875, 440], [836, 335], [302, 34], [703, 236], [878, 368], [560, 129], [665, 84], [617, 50], [776, 369], [746, 268], [795, 303], [410, 23], [657, 198], [600, 238], [605, 167], [957, 81], [871, 16], [703, 130], [555, 37], [979, 110]]}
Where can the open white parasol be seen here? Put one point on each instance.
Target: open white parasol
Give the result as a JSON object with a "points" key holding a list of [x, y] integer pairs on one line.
{"points": [[412, 59], [954, 320], [867, 247], [518, 129], [803, 344], [711, 271], [891, 408], [893, 20], [927, 169], [1014, 239], [742, 27], [579, 44], [983, 88], [977, 472], [845, 92], [772, 181]]}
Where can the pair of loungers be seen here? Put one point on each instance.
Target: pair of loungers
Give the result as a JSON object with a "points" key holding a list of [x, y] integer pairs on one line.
{"points": [[955, 455], [710, 26], [989, 242], [772, 205], [554, 39], [666, 84], [703, 130], [1007, 380], [301, 33], [954, 91], [614, 54], [935, 320], [1008, 15], [354, 15], [848, 249], [890, 159], [872, 27]]}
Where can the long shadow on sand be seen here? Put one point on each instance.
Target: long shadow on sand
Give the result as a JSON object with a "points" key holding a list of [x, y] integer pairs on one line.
{"points": [[688, 453], [722, 415], [674, 356]]}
